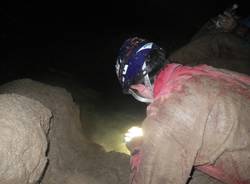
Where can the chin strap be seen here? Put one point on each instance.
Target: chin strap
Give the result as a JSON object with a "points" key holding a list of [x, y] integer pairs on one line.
{"points": [[140, 98], [147, 84]]}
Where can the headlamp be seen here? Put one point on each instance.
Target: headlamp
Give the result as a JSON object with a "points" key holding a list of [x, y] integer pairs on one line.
{"points": [[132, 133]]}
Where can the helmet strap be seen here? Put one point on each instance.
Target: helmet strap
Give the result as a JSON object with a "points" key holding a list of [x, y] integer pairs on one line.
{"points": [[148, 84], [146, 78], [139, 97]]}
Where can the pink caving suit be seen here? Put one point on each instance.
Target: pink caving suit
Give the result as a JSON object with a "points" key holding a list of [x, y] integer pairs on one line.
{"points": [[200, 117]]}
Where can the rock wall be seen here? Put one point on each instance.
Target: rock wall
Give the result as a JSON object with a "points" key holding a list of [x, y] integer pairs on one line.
{"points": [[221, 50], [71, 156], [24, 124]]}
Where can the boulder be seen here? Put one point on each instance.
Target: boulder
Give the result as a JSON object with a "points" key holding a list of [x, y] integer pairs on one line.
{"points": [[71, 156], [24, 124]]}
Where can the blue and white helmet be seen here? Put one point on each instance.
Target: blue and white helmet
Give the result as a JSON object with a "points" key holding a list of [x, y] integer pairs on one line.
{"points": [[137, 59]]}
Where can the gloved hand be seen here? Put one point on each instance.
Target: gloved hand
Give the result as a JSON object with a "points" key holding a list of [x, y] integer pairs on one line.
{"points": [[133, 138], [134, 144]]}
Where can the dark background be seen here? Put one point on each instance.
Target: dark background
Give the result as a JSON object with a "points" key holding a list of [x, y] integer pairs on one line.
{"points": [[81, 40]]}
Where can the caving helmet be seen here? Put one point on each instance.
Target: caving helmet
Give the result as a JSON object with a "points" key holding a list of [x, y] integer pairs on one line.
{"points": [[138, 62]]}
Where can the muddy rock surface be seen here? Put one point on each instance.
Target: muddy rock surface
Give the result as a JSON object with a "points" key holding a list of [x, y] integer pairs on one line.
{"points": [[24, 125], [72, 158]]}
